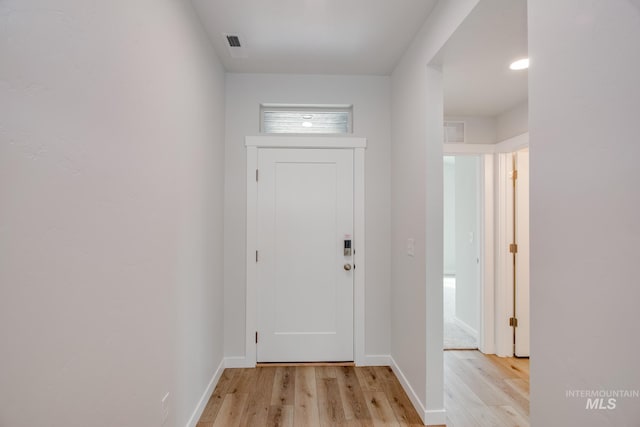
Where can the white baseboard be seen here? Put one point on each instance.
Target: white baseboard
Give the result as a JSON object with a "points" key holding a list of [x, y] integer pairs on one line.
{"points": [[409, 390], [238, 362], [376, 360], [435, 417], [468, 329], [195, 416], [429, 417]]}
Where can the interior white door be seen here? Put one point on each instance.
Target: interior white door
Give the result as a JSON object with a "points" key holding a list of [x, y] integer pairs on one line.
{"points": [[305, 281], [522, 257]]}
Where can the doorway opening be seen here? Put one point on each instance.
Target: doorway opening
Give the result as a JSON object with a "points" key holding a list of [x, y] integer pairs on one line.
{"points": [[462, 238]]}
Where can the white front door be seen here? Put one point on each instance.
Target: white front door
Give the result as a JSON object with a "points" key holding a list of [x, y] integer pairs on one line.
{"points": [[304, 278]]}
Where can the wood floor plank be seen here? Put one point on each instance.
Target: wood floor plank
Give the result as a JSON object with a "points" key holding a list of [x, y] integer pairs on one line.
{"points": [[509, 416], [329, 402], [368, 378], [237, 376], [386, 373], [380, 409], [463, 354], [398, 399], [354, 404], [215, 402], [519, 385], [357, 423], [232, 410], [259, 400], [326, 372], [283, 386], [518, 367], [491, 368], [280, 416], [468, 399], [484, 390], [497, 385], [456, 411], [305, 411], [247, 381]]}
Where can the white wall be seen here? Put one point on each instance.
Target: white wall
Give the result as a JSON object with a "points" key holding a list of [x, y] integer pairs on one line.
{"points": [[477, 130], [417, 209], [512, 122], [371, 119], [449, 218], [584, 102], [111, 185], [467, 221]]}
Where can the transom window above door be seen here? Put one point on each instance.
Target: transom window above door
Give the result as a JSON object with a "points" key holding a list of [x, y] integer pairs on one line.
{"points": [[306, 119]]}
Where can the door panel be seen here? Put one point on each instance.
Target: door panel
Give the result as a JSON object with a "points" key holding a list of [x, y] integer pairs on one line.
{"points": [[305, 295]]}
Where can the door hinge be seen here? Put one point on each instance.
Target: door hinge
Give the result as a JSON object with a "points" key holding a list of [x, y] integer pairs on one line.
{"points": [[256, 337], [514, 175], [256, 256], [513, 248], [256, 175], [513, 322]]}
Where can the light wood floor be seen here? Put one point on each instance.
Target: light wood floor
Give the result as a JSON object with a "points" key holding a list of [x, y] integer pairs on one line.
{"points": [[479, 390], [309, 396], [485, 390]]}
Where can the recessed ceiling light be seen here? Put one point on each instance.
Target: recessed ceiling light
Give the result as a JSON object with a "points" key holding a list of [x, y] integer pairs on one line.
{"points": [[307, 116], [307, 124], [520, 64]]}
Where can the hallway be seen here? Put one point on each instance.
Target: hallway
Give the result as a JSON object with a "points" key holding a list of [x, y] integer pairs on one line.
{"points": [[455, 337], [309, 396], [126, 265], [479, 390]]}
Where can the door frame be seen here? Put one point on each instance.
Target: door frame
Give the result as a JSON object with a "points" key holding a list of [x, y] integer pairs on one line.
{"points": [[484, 194], [496, 293], [358, 145]]}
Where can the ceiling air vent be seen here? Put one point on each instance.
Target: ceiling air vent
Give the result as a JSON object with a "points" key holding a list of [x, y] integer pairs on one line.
{"points": [[234, 41], [454, 132], [236, 49]]}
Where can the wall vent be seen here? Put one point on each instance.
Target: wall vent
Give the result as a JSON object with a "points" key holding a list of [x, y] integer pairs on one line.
{"points": [[236, 48], [234, 41], [454, 132]]}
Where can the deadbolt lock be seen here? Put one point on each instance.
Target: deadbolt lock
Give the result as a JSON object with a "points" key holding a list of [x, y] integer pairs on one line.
{"points": [[347, 247]]}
